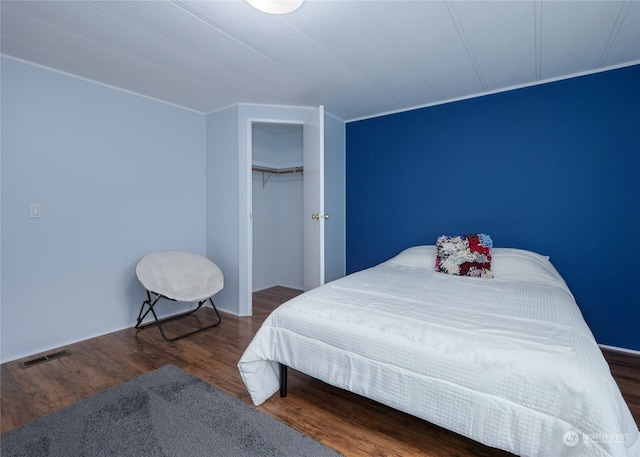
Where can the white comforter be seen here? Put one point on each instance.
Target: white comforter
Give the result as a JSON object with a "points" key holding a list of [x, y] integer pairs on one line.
{"points": [[508, 361]]}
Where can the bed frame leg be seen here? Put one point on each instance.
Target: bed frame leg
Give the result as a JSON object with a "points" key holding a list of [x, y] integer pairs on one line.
{"points": [[283, 380]]}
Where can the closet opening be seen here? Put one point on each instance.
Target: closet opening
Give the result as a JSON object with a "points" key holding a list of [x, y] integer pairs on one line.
{"points": [[277, 252]]}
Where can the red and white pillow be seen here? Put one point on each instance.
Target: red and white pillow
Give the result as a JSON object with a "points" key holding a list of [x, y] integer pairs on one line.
{"points": [[464, 255]]}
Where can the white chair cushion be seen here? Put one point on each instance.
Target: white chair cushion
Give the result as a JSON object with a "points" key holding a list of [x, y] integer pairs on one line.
{"points": [[180, 276]]}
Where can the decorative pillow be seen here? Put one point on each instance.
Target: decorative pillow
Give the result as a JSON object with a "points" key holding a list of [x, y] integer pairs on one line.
{"points": [[464, 255]]}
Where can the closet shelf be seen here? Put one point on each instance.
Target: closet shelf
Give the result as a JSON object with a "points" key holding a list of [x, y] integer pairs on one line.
{"points": [[267, 172], [278, 171]]}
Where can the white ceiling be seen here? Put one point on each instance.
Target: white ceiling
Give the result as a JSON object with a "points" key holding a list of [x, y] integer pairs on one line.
{"points": [[358, 58]]}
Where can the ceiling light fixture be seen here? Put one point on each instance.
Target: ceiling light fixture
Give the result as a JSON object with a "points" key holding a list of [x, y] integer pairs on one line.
{"points": [[276, 6]]}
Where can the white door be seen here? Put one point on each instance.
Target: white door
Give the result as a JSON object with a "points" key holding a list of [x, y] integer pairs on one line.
{"points": [[313, 199]]}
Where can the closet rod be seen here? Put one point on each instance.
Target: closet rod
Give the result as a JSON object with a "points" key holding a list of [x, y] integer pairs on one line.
{"points": [[276, 171], [281, 171]]}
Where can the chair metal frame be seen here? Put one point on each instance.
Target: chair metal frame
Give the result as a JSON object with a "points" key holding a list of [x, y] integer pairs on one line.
{"points": [[151, 302]]}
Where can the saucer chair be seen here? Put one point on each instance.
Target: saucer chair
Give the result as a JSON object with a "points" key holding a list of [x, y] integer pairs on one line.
{"points": [[180, 277]]}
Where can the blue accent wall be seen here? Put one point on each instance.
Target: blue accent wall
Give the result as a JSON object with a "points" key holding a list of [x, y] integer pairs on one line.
{"points": [[552, 168]]}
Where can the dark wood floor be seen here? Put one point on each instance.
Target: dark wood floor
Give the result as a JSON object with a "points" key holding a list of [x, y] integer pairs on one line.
{"points": [[343, 421]]}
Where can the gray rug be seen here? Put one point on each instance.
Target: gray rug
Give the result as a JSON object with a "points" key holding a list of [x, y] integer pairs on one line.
{"points": [[166, 412]]}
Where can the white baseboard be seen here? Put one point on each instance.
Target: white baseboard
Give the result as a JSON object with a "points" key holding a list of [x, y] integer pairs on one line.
{"points": [[617, 349]]}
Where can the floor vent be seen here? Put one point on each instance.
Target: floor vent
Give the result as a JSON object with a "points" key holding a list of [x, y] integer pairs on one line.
{"points": [[45, 358]]}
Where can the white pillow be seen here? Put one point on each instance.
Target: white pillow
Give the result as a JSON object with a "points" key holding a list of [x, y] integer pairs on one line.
{"points": [[417, 257], [511, 263]]}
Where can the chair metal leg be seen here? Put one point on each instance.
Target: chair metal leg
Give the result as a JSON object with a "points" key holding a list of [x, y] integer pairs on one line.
{"points": [[150, 303]]}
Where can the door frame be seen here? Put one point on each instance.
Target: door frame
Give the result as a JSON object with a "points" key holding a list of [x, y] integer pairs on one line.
{"points": [[245, 212], [313, 200]]}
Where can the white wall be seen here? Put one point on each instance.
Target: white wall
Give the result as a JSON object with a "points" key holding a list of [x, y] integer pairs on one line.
{"points": [[264, 214], [290, 206], [290, 232], [117, 175], [222, 202]]}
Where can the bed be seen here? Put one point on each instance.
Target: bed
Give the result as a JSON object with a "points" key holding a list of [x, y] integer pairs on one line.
{"points": [[507, 361]]}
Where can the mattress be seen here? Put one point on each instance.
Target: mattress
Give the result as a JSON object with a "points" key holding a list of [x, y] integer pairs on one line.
{"points": [[507, 361]]}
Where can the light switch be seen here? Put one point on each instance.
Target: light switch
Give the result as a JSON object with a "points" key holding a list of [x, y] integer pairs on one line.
{"points": [[35, 211]]}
